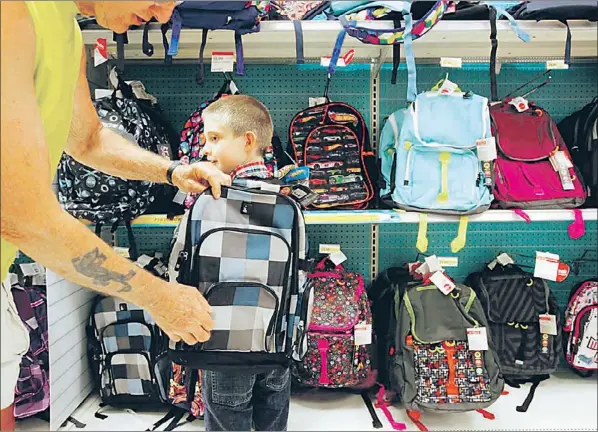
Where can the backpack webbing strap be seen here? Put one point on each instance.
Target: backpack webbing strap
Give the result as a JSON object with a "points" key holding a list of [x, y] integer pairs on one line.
{"points": [[299, 42], [368, 403], [532, 391], [494, 43], [445, 158], [410, 58], [167, 58], [146, 46], [133, 254], [199, 78], [121, 40], [459, 242], [98, 230], [171, 414], [177, 25], [422, 233], [567, 43], [396, 55], [240, 56], [382, 404]]}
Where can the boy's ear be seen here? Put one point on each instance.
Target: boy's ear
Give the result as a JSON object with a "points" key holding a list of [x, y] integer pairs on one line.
{"points": [[250, 140]]}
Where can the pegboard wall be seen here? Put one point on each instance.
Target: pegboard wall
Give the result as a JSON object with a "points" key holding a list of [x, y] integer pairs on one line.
{"points": [[285, 90]]}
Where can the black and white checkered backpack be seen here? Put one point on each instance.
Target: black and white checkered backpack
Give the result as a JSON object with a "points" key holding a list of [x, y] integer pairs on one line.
{"points": [[245, 253]]}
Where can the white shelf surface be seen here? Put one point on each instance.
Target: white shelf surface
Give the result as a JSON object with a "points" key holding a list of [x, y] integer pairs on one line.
{"points": [[332, 217], [465, 39]]}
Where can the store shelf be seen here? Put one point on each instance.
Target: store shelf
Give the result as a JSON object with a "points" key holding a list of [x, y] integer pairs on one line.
{"points": [[465, 39], [396, 216]]}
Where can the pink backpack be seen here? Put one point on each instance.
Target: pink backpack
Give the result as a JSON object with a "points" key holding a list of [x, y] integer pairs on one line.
{"points": [[525, 177], [335, 351]]}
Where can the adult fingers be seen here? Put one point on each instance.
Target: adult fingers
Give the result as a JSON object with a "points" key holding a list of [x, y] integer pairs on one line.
{"points": [[201, 335], [190, 338]]}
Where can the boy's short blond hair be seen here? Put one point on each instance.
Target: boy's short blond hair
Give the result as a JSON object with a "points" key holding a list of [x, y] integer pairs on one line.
{"points": [[242, 113]]}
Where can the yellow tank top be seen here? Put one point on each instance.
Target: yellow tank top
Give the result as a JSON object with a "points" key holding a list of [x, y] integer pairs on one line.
{"points": [[58, 52]]}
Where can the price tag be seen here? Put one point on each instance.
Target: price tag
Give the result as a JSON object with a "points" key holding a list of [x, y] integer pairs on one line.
{"points": [[329, 248], [343, 61], [547, 266], [548, 324], [122, 251], [337, 258], [520, 104], [504, 259], [556, 64], [143, 260], [100, 52], [32, 269], [486, 149], [363, 334], [560, 160], [222, 61], [566, 179], [179, 198], [313, 101], [442, 282], [477, 339], [433, 264], [447, 87], [451, 62], [39, 280], [448, 261]]}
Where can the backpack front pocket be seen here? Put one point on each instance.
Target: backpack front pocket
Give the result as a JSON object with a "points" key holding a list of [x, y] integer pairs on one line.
{"points": [[127, 374], [126, 336], [245, 317]]}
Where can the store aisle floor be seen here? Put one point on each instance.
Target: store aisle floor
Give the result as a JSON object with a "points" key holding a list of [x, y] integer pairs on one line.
{"points": [[565, 402]]}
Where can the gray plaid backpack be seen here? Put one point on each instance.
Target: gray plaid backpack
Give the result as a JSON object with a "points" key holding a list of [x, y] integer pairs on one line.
{"points": [[434, 366], [245, 253]]}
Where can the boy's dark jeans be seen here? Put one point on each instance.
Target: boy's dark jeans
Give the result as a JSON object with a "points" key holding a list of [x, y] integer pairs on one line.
{"points": [[241, 402]]}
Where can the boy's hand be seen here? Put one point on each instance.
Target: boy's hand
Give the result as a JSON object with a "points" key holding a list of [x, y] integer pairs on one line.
{"points": [[198, 176], [183, 313]]}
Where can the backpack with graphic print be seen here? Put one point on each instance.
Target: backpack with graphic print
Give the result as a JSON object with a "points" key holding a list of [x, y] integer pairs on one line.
{"points": [[245, 253], [336, 344], [515, 303], [580, 328], [436, 369], [333, 141]]}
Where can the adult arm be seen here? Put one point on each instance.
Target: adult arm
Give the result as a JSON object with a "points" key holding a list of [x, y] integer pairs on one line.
{"points": [[32, 219], [103, 149]]}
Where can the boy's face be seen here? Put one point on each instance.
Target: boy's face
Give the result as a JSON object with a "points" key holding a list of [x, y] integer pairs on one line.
{"points": [[223, 149]]}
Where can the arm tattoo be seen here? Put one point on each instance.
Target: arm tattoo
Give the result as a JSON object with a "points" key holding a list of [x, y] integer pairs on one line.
{"points": [[91, 265]]}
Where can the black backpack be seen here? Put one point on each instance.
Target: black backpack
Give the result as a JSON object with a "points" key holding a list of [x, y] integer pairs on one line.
{"points": [[580, 132], [513, 300]]}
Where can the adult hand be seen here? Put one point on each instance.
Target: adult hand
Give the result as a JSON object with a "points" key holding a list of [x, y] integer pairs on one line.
{"points": [[183, 314], [198, 176]]}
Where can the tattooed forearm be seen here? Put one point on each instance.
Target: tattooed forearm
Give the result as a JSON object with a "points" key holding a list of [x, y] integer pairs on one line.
{"points": [[91, 265]]}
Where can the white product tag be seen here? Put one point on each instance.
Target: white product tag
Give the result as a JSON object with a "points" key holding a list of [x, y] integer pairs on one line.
{"points": [[222, 61], [486, 149], [566, 179], [448, 261], [179, 198], [293, 304], [520, 104], [547, 266], [160, 269], [492, 264], [559, 161], [39, 279], [329, 248], [556, 64], [477, 339], [100, 52], [442, 282], [548, 324], [270, 187], [504, 259], [143, 260], [102, 93], [122, 251], [363, 334], [233, 87], [32, 269], [313, 101], [337, 258], [451, 62], [423, 269], [447, 87], [433, 264]]}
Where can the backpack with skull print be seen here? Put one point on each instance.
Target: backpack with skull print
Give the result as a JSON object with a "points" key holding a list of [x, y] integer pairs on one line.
{"points": [[104, 199]]}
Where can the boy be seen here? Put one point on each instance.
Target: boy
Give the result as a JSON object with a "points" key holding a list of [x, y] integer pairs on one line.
{"points": [[237, 129]]}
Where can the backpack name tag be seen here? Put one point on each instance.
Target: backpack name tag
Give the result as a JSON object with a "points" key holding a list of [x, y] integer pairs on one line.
{"points": [[246, 208], [477, 339]]}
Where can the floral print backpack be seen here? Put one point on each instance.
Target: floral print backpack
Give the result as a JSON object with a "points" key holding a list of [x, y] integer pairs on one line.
{"points": [[337, 345]]}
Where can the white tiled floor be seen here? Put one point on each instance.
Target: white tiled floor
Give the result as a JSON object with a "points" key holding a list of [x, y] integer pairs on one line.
{"points": [[564, 402]]}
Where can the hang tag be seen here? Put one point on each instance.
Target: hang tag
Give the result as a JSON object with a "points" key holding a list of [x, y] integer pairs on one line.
{"points": [[269, 187], [433, 264], [143, 260], [39, 280], [451, 62], [329, 248], [337, 258], [122, 251], [233, 87], [314, 101], [547, 266], [32, 269], [562, 272], [520, 104], [100, 52], [504, 259], [548, 324], [303, 195], [447, 87], [343, 61], [442, 282], [448, 261], [486, 149], [488, 170], [492, 264], [477, 339], [363, 334], [179, 198], [566, 179], [556, 64], [165, 151], [222, 61]]}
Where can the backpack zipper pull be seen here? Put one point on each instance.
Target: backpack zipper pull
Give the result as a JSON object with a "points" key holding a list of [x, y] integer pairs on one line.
{"points": [[181, 260]]}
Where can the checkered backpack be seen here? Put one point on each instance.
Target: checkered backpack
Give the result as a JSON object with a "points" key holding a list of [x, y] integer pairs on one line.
{"points": [[127, 354], [243, 252]]}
